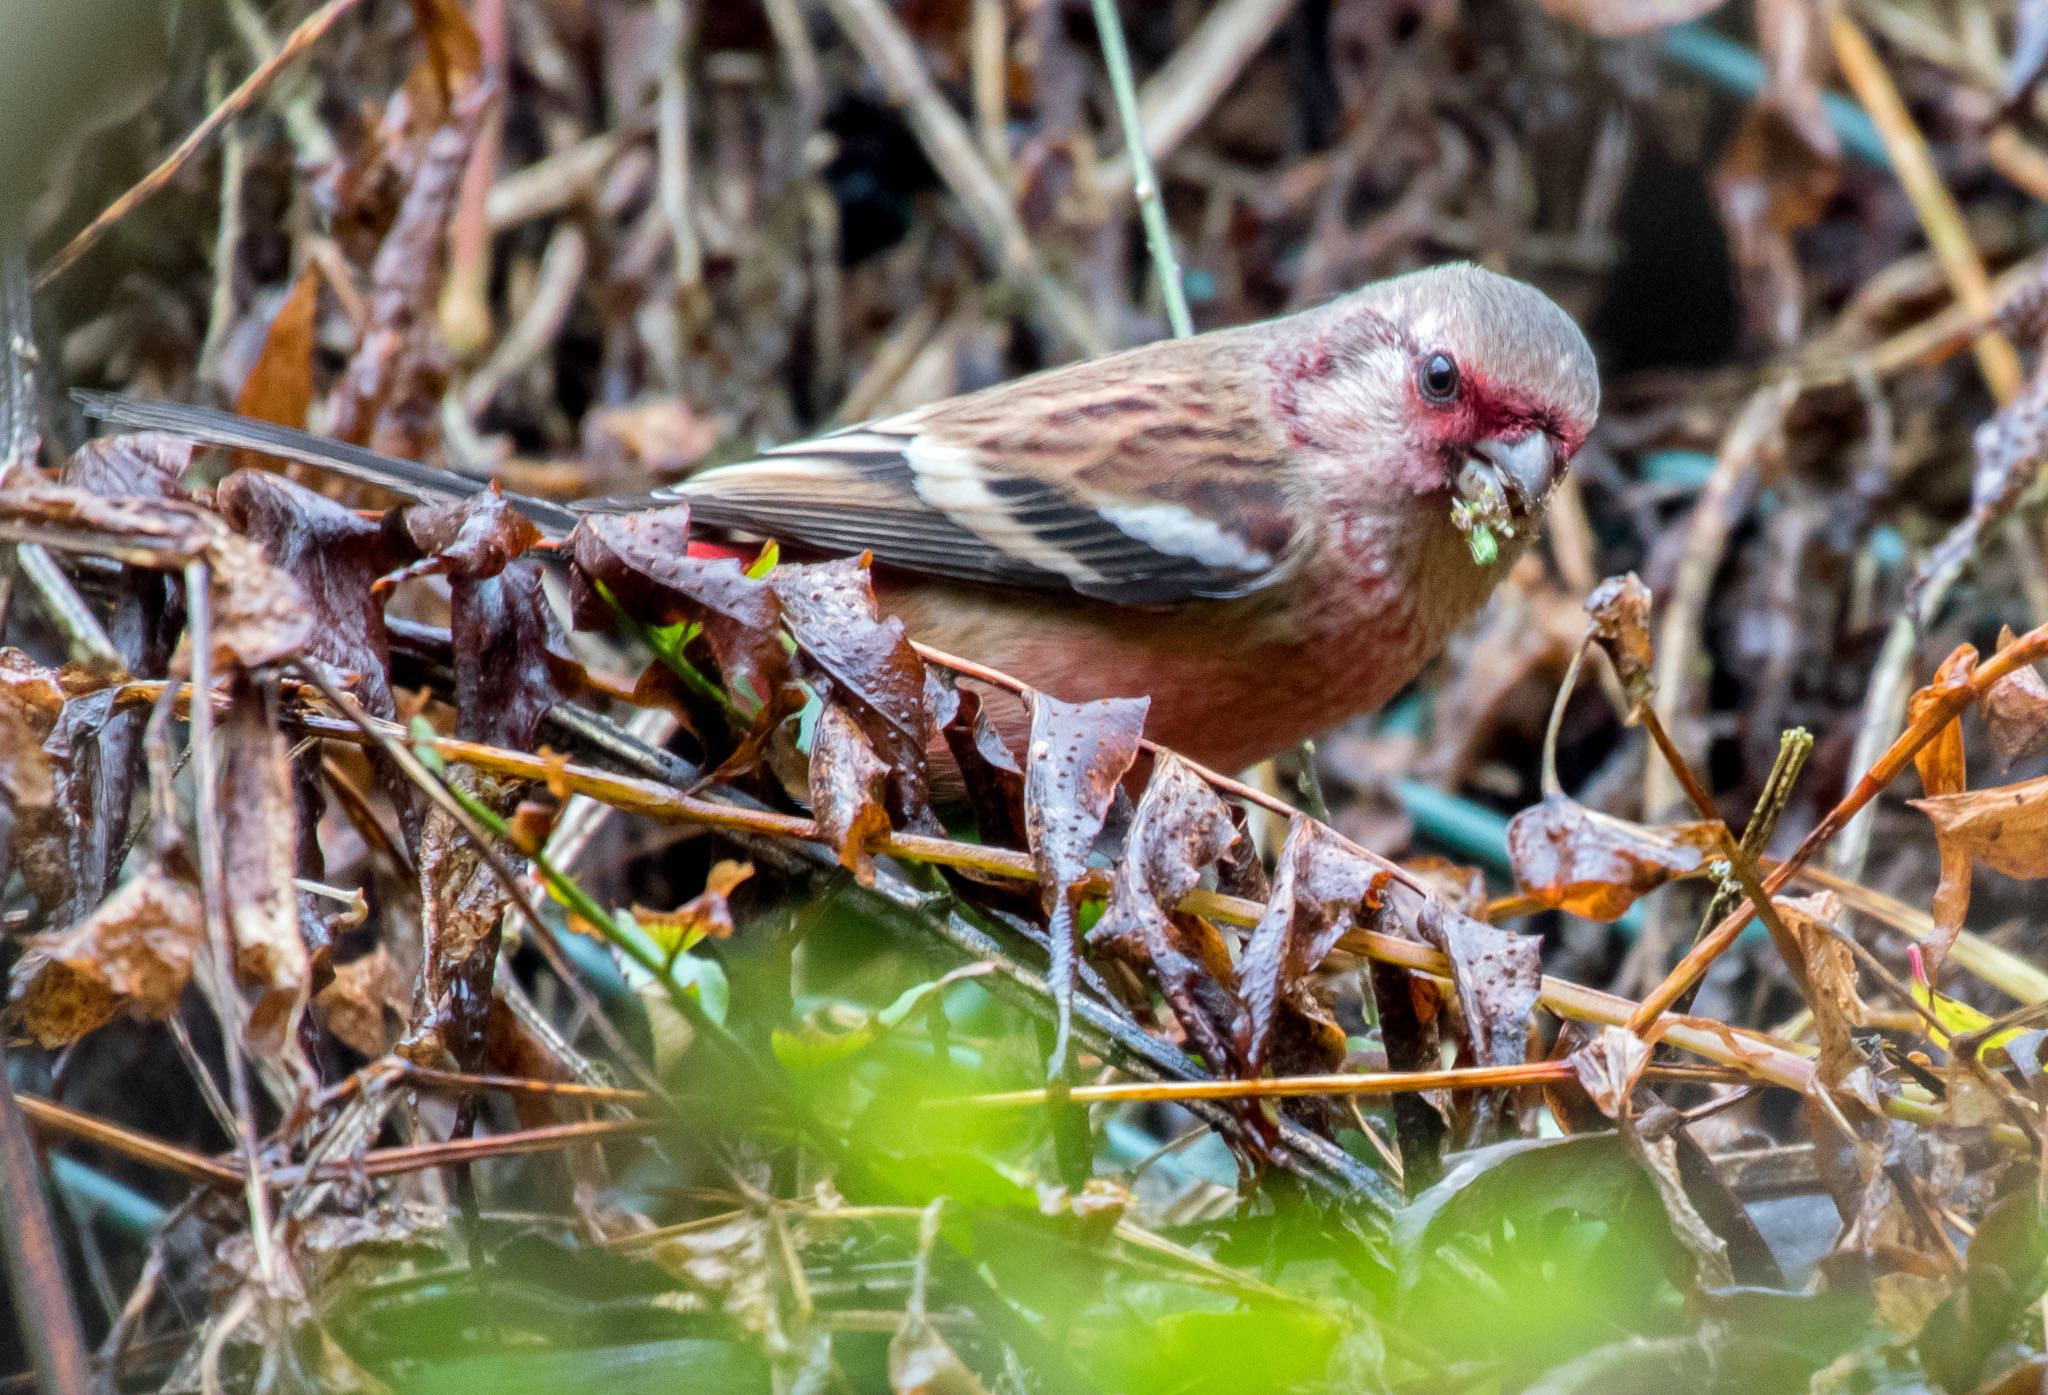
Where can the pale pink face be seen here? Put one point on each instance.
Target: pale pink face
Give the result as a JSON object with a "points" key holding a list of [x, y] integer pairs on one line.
{"points": [[1454, 381]]}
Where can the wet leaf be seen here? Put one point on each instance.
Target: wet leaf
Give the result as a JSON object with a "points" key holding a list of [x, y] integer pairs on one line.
{"points": [[1577, 859], [335, 556], [259, 842], [134, 954], [1498, 975], [847, 784], [1658, 1155], [1321, 891], [512, 661], [472, 538], [2016, 707], [1181, 828], [1608, 1067], [1620, 612], [462, 908], [994, 782], [868, 659], [2005, 827], [644, 561], [1077, 755]]}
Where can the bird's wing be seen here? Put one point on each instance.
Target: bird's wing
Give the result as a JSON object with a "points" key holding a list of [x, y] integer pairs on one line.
{"points": [[1147, 479]]}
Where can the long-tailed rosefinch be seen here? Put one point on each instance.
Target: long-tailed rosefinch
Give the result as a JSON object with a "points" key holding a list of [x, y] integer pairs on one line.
{"points": [[1265, 530]]}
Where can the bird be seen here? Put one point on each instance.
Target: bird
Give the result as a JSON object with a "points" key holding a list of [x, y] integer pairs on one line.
{"points": [[1264, 530]]}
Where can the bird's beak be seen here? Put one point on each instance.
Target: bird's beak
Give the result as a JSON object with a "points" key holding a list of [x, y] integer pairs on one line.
{"points": [[1511, 471]]}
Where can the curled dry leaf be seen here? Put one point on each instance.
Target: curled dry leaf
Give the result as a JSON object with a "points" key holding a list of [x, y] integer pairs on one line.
{"points": [[1620, 612], [1838, 1009], [512, 661], [473, 538], [1079, 752], [1609, 1066], [868, 659], [2005, 827], [989, 772], [1181, 827], [847, 781], [1943, 771], [2016, 709], [1322, 890], [364, 1005], [36, 827], [707, 915], [259, 842], [644, 561], [1577, 859], [133, 954]]}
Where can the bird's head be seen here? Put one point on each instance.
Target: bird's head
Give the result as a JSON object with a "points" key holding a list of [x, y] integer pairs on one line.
{"points": [[1455, 384]]}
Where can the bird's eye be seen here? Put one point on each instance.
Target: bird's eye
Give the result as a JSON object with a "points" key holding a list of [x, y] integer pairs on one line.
{"points": [[1438, 378]]}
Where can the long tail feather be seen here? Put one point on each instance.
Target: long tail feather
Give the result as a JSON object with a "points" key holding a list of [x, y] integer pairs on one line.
{"points": [[226, 429]]}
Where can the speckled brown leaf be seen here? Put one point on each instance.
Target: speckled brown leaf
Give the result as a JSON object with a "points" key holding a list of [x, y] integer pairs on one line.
{"points": [[1620, 611], [133, 954], [1577, 859], [462, 914], [2004, 827], [472, 538], [1321, 891], [643, 560], [844, 641], [259, 842], [1180, 829], [1078, 753], [1497, 974], [1943, 770], [2016, 708], [1609, 1065], [847, 781]]}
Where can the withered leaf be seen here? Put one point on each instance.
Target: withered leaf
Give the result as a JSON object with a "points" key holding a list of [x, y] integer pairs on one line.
{"points": [[1943, 770], [707, 915], [1181, 827], [512, 661], [847, 780], [1838, 1009], [146, 464], [1608, 1067], [335, 556], [2004, 827], [461, 913], [1078, 753], [364, 1005], [2016, 708], [1321, 891], [472, 538], [1577, 859], [134, 953], [830, 610], [644, 561], [989, 772], [1620, 612], [259, 842], [279, 387], [1658, 1155], [1498, 975]]}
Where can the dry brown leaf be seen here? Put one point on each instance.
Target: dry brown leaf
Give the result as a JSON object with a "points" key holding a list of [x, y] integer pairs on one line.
{"points": [[707, 914], [1609, 1066], [2005, 827], [1944, 771], [847, 780], [2016, 708], [1620, 612], [259, 843], [133, 954], [1577, 859], [364, 1005], [1838, 1009], [1498, 975], [1322, 890], [1180, 829], [279, 387], [1079, 752]]}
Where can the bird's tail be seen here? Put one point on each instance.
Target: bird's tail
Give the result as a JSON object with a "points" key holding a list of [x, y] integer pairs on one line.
{"points": [[226, 429]]}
